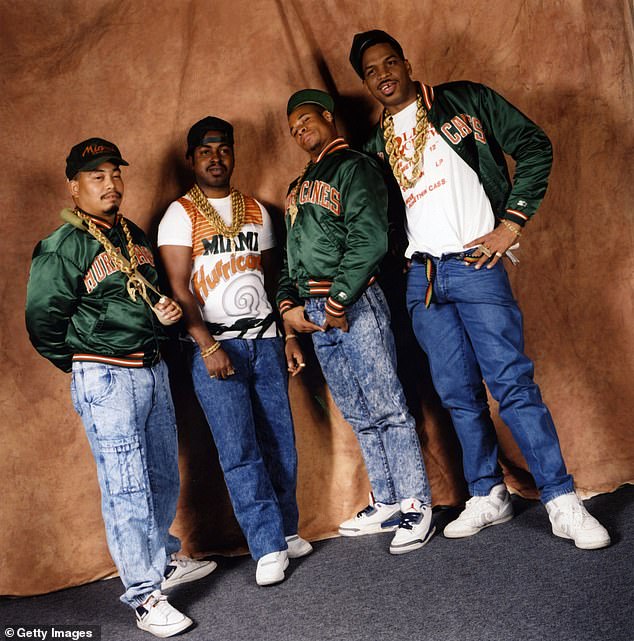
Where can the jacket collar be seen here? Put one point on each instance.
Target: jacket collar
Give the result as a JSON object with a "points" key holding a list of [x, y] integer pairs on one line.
{"points": [[101, 223], [331, 147]]}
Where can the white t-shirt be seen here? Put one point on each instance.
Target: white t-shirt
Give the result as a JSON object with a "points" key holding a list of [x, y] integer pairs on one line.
{"points": [[227, 277], [447, 207]]}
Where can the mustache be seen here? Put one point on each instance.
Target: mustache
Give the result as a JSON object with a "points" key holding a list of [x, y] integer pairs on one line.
{"points": [[110, 193]]}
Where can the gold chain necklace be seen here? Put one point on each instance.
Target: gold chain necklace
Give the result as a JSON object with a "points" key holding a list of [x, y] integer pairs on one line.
{"points": [[238, 208], [135, 284], [420, 138], [293, 197]]}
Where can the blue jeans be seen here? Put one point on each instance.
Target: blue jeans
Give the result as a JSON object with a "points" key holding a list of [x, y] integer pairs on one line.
{"points": [[250, 420], [473, 330], [131, 427], [360, 369]]}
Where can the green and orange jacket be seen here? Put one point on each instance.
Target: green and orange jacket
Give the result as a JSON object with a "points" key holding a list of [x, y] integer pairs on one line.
{"points": [[77, 305], [481, 126], [339, 236]]}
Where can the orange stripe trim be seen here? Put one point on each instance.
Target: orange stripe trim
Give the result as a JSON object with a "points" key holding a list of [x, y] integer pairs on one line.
{"points": [[428, 95], [517, 213], [335, 145], [110, 360]]}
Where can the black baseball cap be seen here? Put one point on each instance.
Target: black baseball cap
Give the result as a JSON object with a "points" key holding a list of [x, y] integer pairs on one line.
{"points": [[362, 41], [89, 154], [210, 123]]}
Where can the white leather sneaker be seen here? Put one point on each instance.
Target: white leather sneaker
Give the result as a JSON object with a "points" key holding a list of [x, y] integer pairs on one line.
{"points": [[156, 616], [376, 517], [481, 512], [297, 546], [570, 520], [271, 568], [415, 527], [184, 570]]}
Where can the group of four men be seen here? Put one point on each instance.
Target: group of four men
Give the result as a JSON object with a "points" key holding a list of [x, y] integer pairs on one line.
{"points": [[93, 308]]}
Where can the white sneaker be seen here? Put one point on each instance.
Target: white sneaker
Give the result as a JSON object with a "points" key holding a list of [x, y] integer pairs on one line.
{"points": [[159, 618], [184, 570], [481, 512], [297, 546], [271, 568], [377, 517], [414, 529], [571, 520]]}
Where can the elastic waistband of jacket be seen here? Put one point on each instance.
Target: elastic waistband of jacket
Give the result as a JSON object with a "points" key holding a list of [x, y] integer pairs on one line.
{"points": [[135, 359]]}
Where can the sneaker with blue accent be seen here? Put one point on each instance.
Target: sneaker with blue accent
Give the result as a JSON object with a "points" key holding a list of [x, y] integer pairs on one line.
{"points": [[297, 547], [156, 616], [184, 570], [415, 527], [376, 517]]}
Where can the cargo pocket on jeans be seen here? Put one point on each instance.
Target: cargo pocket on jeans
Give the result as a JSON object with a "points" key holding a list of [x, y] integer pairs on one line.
{"points": [[123, 463]]}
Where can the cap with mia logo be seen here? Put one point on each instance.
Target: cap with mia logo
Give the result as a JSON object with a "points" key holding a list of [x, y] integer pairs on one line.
{"points": [[89, 154]]}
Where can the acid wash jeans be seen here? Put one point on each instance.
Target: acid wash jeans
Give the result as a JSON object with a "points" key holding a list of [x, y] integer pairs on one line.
{"points": [[131, 427], [473, 330], [250, 420], [360, 369]]}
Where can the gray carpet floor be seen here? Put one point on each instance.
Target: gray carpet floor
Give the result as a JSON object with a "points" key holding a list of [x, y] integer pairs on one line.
{"points": [[513, 582]]}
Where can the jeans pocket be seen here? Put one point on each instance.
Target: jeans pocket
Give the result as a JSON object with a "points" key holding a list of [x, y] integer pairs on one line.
{"points": [[97, 382], [123, 463]]}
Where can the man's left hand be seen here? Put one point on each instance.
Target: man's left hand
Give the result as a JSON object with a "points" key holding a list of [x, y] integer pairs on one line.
{"points": [[494, 245], [340, 322], [169, 310]]}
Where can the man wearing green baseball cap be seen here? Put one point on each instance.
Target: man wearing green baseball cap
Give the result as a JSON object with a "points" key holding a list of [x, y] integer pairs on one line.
{"points": [[336, 221]]}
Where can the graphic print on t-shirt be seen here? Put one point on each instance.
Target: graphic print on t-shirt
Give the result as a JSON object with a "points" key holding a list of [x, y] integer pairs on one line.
{"points": [[226, 277]]}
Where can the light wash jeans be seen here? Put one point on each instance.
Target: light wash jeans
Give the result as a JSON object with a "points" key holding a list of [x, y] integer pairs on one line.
{"points": [[473, 330], [360, 369], [250, 420], [129, 419]]}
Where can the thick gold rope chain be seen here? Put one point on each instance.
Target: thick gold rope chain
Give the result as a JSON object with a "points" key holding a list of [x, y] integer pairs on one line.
{"points": [[420, 138], [238, 209]]}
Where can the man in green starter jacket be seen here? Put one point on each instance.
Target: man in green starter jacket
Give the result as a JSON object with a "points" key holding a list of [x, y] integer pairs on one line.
{"points": [[92, 309], [336, 221], [445, 148]]}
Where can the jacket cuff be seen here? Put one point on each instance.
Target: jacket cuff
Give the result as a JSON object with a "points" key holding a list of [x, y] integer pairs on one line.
{"points": [[334, 308], [285, 305], [515, 216]]}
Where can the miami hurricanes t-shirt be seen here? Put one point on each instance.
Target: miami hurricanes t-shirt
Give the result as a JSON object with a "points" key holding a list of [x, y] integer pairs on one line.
{"points": [[447, 207], [226, 277]]}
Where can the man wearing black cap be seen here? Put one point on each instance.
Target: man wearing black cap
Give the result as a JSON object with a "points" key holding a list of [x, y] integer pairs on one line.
{"points": [[336, 222], [92, 308], [217, 247], [445, 147]]}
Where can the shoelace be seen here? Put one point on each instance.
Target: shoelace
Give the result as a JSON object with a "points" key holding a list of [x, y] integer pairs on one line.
{"points": [[158, 602], [474, 504], [409, 520]]}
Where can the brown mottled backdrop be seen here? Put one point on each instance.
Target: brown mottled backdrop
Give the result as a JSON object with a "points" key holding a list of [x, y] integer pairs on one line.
{"points": [[140, 73]]}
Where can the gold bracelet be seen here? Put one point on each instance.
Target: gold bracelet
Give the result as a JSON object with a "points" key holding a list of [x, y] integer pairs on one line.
{"points": [[507, 224], [290, 336], [210, 350]]}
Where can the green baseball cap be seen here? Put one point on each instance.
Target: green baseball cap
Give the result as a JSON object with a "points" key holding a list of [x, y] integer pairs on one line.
{"points": [[312, 97]]}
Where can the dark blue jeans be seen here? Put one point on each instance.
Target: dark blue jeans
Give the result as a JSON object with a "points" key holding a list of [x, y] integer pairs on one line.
{"points": [[250, 420], [473, 330], [360, 369]]}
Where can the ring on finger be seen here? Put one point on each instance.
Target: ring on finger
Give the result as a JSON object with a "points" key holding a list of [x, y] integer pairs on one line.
{"points": [[485, 250], [499, 254], [231, 372], [212, 376]]}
